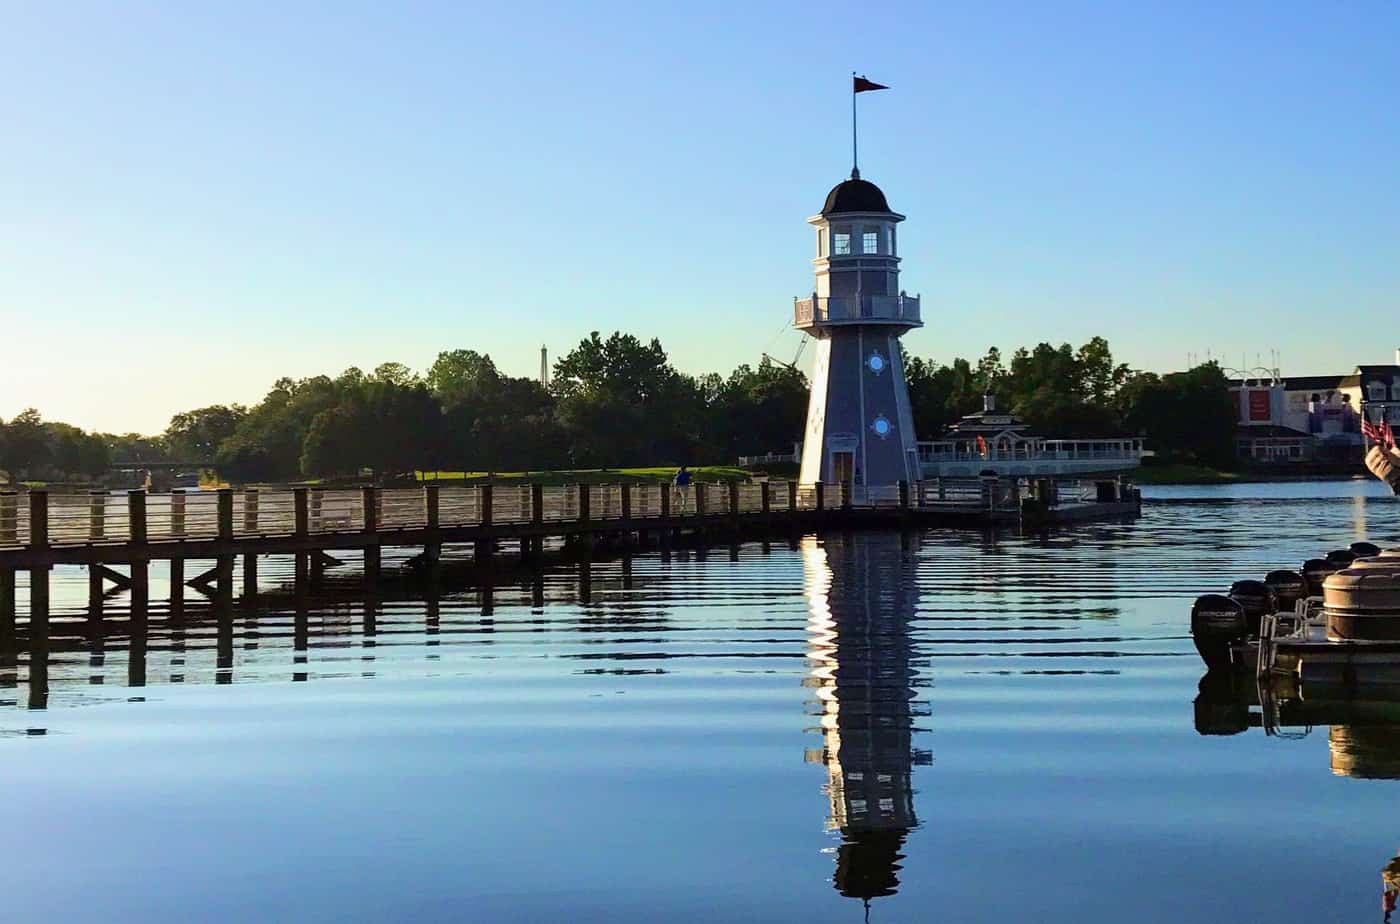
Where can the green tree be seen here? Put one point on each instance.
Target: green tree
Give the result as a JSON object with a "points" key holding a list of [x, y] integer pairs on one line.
{"points": [[755, 410], [1185, 415], [196, 435], [462, 376], [26, 449], [620, 400]]}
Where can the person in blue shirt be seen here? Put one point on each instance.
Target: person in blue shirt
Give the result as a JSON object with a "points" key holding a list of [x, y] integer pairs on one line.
{"points": [[680, 483]]}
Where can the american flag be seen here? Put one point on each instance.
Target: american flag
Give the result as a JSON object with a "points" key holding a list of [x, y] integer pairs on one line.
{"points": [[1380, 434]]}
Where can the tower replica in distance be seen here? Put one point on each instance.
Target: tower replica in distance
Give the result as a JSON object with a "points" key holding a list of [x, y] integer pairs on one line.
{"points": [[860, 429]]}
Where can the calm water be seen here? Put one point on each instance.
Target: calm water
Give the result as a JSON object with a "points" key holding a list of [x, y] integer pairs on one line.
{"points": [[955, 727]]}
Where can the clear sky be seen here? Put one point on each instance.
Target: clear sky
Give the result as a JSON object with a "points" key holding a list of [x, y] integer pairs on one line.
{"points": [[198, 198]]}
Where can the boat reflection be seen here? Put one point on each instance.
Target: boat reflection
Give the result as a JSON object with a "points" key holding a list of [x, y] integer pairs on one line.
{"points": [[861, 601], [1363, 729]]}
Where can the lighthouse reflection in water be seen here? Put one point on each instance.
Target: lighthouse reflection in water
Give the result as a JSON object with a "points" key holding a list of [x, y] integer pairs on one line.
{"points": [[861, 603]]}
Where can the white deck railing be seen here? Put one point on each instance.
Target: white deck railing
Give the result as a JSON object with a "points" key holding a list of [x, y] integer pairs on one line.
{"points": [[1125, 449]]}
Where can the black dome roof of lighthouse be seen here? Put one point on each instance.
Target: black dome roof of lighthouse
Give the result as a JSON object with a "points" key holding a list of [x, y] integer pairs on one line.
{"points": [[855, 195]]}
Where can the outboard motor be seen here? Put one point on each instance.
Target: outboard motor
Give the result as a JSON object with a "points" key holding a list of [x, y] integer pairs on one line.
{"points": [[1315, 571], [1288, 587], [1340, 558], [1257, 600], [1364, 549], [1220, 709], [1217, 624]]}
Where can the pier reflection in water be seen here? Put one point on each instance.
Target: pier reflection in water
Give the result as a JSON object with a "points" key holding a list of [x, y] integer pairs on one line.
{"points": [[861, 599], [338, 631]]}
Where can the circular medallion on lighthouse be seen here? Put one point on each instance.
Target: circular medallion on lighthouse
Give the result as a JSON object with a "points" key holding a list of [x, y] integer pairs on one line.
{"points": [[882, 426], [876, 363]]}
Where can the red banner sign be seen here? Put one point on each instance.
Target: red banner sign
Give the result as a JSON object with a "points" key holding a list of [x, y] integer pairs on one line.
{"points": [[1259, 406]]}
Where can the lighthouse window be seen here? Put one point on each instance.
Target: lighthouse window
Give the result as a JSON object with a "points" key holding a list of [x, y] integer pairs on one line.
{"points": [[870, 242], [840, 244]]}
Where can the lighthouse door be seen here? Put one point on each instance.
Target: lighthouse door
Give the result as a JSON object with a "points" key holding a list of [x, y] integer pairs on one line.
{"points": [[843, 467]]}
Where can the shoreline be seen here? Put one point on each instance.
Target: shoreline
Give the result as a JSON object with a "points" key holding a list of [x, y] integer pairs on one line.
{"points": [[1201, 474]]}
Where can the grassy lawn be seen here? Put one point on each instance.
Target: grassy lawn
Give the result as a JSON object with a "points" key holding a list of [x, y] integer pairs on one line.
{"points": [[662, 473]]}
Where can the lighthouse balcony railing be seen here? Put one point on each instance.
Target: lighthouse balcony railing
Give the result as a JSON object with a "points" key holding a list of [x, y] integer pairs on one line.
{"points": [[854, 309], [1125, 449]]}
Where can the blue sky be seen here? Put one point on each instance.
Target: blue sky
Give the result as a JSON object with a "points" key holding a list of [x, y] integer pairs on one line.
{"points": [[199, 198]]}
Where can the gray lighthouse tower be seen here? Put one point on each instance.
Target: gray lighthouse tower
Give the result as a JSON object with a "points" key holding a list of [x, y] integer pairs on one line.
{"points": [[859, 426]]}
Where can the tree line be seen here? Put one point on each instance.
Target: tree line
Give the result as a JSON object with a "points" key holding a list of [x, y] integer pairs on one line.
{"points": [[613, 402]]}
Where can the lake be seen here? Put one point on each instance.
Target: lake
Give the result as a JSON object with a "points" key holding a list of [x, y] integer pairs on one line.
{"points": [[949, 725]]}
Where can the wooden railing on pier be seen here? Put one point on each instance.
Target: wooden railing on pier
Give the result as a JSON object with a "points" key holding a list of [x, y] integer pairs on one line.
{"points": [[99, 518], [40, 529]]}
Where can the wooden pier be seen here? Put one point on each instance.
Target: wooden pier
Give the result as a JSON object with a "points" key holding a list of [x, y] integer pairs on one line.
{"points": [[40, 529]]}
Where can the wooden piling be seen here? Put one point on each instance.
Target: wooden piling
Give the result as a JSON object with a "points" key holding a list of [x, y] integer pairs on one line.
{"points": [[223, 643], [432, 548], [136, 523], [223, 562], [97, 515], [485, 549], [301, 636], [584, 517], [537, 518], [39, 573], [177, 513], [39, 674], [371, 623], [96, 589], [250, 577], [250, 512], [585, 582], [177, 588], [138, 627], [301, 528], [7, 612], [369, 497]]}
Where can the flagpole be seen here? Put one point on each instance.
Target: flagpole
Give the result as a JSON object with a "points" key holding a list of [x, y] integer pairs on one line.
{"points": [[855, 162]]}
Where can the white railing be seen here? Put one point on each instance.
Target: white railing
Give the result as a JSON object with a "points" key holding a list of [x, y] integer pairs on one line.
{"points": [[856, 308], [1125, 449], [770, 458]]}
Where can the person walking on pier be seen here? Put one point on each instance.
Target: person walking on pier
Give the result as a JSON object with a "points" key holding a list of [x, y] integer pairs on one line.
{"points": [[678, 490]]}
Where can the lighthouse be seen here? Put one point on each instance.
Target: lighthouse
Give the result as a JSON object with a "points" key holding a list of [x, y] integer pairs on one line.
{"points": [[860, 429]]}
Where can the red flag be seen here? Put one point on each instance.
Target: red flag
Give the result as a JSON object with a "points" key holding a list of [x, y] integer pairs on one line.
{"points": [[860, 85], [1387, 434], [1371, 431]]}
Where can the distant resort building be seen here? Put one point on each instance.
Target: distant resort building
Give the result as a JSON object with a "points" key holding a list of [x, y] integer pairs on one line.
{"points": [[1314, 417]]}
